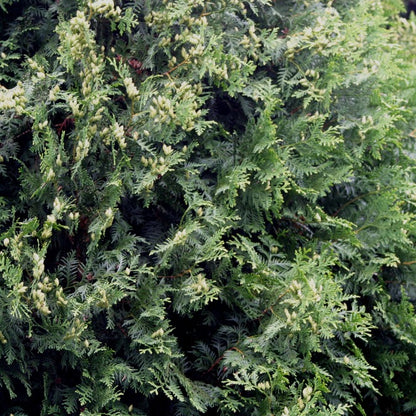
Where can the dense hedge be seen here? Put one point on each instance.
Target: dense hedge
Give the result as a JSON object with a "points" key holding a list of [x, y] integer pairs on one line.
{"points": [[207, 208]]}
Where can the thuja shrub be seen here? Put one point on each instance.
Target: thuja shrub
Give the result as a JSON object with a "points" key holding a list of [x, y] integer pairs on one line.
{"points": [[207, 208]]}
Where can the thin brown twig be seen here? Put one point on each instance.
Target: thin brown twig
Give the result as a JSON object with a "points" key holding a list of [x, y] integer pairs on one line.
{"points": [[357, 198], [219, 359], [408, 263], [185, 61], [175, 276]]}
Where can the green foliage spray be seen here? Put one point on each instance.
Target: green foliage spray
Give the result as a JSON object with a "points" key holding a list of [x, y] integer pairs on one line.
{"points": [[207, 208]]}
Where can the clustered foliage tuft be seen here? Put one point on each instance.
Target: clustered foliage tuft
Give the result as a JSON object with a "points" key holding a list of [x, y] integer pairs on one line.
{"points": [[207, 208]]}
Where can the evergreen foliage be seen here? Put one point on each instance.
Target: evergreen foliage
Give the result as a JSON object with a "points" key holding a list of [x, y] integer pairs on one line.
{"points": [[207, 208]]}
